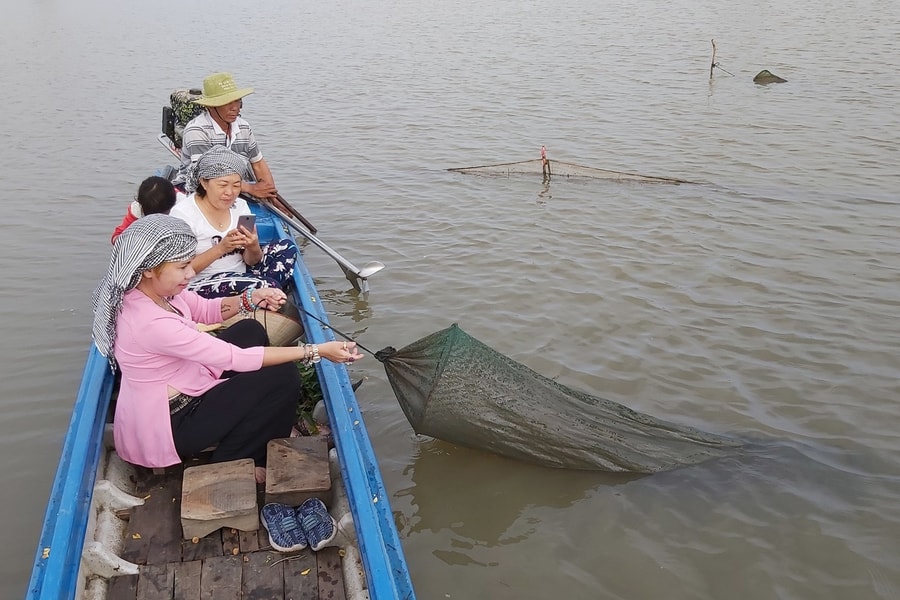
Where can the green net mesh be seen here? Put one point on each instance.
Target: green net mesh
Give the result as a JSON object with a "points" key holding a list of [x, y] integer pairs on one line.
{"points": [[455, 388]]}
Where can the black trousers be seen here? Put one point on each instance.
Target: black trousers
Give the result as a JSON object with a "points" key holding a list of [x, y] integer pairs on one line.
{"points": [[245, 411]]}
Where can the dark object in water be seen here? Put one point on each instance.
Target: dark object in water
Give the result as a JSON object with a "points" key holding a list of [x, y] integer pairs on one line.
{"points": [[455, 388], [766, 77]]}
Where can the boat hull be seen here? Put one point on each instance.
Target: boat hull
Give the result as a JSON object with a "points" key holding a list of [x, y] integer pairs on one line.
{"points": [[72, 555]]}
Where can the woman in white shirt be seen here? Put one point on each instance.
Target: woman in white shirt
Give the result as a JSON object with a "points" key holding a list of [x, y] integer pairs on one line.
{"points": [[229, 257]]}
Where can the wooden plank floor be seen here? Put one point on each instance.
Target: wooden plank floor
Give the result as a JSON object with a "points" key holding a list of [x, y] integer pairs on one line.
{"points": [[227, 564]]}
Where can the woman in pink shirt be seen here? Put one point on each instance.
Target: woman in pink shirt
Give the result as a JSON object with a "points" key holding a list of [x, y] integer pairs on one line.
{"points": [[183, 390]]}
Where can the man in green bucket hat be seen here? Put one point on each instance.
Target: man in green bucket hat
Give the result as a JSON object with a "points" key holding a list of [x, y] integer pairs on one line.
{"points": [[221, 124]]}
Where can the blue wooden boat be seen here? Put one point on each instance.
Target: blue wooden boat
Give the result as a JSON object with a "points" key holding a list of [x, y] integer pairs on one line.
{"points": [[76, 556]]}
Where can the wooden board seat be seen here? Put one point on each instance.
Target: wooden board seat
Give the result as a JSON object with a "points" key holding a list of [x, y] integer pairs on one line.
{"points": [[298, 469], [219, 495]]}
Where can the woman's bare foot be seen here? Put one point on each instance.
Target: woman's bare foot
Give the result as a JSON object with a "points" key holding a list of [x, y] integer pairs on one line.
{"points": [[260, 474]]}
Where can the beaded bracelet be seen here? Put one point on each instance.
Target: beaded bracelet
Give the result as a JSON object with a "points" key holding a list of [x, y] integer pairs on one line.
{"points": [[247, 305]]}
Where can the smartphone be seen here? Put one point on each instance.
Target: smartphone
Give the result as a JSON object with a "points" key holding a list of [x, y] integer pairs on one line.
{"points": [[248, 221]]}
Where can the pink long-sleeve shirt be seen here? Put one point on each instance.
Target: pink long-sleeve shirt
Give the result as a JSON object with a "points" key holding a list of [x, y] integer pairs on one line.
{"points": [[156, 349]]}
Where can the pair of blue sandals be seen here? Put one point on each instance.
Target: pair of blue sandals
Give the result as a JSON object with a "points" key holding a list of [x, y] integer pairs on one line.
{"points": [[292, 529]]}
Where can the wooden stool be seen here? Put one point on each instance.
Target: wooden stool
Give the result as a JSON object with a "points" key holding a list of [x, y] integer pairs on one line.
{"points": [[219, 495], [297, 469]]}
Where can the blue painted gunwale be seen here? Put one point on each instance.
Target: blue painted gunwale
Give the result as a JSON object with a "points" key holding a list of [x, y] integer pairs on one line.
{"points": [[55, 571], [54, 574]]}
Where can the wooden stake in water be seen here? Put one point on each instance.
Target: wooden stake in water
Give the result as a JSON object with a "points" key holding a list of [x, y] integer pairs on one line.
{"points": [[545, 164]]}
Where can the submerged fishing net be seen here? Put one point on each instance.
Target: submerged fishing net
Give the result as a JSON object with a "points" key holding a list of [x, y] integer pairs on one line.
{"points": [[453, 387], [558, 169]]}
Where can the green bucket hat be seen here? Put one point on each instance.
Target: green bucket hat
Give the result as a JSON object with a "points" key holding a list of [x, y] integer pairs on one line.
{"points": [[219, 89]]}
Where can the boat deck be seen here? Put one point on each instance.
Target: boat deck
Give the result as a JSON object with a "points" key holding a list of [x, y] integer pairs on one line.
{"points": [[226, 564]]}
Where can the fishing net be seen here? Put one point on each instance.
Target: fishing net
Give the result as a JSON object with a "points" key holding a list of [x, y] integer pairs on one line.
{"points": [[455, 388], [558, 169]]}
